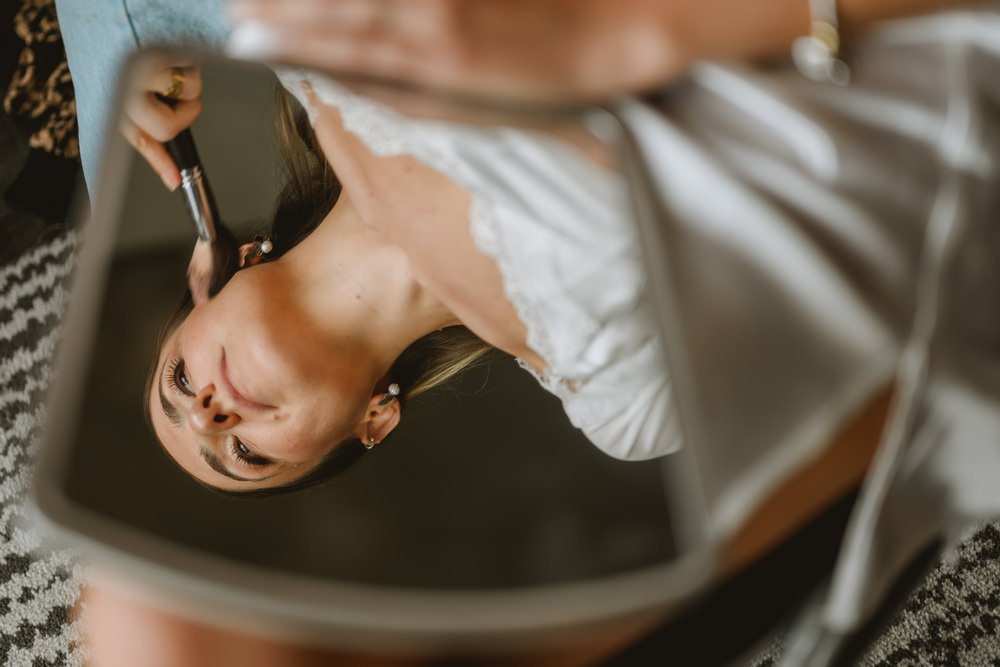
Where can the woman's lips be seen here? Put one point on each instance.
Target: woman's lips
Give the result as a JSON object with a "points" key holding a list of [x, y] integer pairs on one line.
{"points": [[238, 395]]}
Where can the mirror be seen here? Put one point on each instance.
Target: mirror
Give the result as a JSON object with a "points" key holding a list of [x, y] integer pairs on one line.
{"points": [[484, 484], [796, 321]]}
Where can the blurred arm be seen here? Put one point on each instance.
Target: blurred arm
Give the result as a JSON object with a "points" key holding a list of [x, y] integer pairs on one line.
{"points": [[588, 49]]}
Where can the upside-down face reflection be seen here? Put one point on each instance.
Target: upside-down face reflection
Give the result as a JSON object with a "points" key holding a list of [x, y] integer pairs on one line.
{"points": [[250, 393]]}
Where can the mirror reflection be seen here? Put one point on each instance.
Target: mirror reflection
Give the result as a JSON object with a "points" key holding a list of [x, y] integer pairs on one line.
{"points": [[368, 349], [392, 262]]}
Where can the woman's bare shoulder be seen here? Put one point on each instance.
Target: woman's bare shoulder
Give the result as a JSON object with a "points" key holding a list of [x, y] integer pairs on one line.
{"points": [[427, 215]]}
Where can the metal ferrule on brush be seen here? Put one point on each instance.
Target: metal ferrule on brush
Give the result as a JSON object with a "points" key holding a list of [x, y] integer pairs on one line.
{"points": [[199, 202], [204, 214]]}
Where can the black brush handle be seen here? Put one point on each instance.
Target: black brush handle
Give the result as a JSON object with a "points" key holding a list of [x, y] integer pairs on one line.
{"points": [[201, 205], [183, 150]]}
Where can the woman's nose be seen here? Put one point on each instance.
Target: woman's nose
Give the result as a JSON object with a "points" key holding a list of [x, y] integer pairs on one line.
{"points": [[208, 415]]}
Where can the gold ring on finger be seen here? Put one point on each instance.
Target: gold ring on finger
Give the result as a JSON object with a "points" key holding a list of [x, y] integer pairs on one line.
{"points": [[176, 87]]}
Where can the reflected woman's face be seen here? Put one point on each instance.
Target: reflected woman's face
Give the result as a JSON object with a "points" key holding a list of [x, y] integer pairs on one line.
{"points": [[248, 394]]}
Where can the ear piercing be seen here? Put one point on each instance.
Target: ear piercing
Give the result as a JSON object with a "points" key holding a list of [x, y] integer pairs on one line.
{"points": [[262, 245], [391, 394]]}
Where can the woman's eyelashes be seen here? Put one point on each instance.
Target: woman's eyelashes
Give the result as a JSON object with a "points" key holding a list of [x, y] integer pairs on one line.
{"points": [[177, 379], [179, 382], [244, 455]]}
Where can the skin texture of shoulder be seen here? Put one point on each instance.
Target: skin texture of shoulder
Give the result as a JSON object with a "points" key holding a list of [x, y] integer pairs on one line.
{"points": [[427, 215]]}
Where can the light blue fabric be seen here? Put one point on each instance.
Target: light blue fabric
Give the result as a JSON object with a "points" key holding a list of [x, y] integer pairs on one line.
{"points": [[100, 34]]}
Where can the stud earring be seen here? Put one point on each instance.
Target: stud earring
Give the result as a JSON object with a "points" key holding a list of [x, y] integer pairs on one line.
{"points": [[391, 394], [262, 246]]}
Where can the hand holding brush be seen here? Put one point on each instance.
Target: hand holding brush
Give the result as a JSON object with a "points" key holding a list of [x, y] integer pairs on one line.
{"points": [[156, 123], [214, 260]]}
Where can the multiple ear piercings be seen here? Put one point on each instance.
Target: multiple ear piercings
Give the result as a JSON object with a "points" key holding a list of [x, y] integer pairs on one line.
{"points": [[262, 245], [393, 392]]}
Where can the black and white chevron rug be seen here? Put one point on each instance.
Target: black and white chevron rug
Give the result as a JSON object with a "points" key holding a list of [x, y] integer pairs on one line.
{"points": [[38, 586]]}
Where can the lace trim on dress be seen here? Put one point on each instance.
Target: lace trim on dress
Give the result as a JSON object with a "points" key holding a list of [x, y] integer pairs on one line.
{"points": [[484, 225]]}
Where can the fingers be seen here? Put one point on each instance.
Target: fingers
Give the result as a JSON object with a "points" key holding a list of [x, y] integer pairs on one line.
{"points": [[335, 17], [339, 33], [478, 46], [148, 121], [536, 49], [416, 51], [185, 80], [160, 120], [154, 153]]}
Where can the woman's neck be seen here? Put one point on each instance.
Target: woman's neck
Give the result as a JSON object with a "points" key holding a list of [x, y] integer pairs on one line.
{"points": [[359, 286]]}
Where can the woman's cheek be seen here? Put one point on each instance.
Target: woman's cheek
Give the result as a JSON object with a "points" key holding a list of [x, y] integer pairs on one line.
{"points": [[194, 345], [305, 440]]}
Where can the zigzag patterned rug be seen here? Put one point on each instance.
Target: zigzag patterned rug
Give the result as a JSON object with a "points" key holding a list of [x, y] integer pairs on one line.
{"points": [[953, 619], [37, 586]]}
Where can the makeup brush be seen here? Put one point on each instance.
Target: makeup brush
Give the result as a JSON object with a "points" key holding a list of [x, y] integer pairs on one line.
{"points": [[214, 260]]}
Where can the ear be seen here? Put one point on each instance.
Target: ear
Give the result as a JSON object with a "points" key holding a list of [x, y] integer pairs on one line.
{"points": [[379, 420], [248, 255]]}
